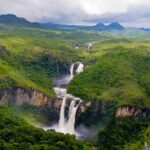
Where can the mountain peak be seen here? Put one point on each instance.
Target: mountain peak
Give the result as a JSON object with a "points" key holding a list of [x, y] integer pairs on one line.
{"points": [[100, 24], [11, 19], [111, 26], [9, 16], [116, 25]]}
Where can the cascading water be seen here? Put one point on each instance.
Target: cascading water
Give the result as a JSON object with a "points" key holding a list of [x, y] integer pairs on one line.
{"points": [[67, 125], [72, 104], [80, 68], [60, 92], [90, 45], [62, 116], [72, 114], [71, 72]]}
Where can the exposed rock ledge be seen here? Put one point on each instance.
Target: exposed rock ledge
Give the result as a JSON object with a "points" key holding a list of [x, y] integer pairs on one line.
{"points": [[127, 111], [88, 110], [20, 95]]}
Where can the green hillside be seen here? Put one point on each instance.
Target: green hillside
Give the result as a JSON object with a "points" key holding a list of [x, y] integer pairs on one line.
{"points": [[120, 74], [117, 70], [31, 57], [10, 19]]}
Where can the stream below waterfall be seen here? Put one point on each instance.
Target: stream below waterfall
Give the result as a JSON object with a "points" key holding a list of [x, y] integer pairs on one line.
{"points": [[67, 124]]}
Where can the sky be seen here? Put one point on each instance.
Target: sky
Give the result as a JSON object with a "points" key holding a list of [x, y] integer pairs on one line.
{"points": [[127, 12]]}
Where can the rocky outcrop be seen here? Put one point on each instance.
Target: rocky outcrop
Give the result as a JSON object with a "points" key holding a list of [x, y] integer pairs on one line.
{"points": [[84, 106], [127, 111], [20, 95], [89, 112]]}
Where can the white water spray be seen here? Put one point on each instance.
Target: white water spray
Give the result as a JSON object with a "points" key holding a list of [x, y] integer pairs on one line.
{"points": [[90, 45], [68, 126], [72, 104], [62, 114], [60, 92], [71, 71], [71, 121], [80, 68]]}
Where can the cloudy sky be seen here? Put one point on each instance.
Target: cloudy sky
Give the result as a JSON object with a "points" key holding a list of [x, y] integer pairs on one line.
{"points": [[127, 12]]}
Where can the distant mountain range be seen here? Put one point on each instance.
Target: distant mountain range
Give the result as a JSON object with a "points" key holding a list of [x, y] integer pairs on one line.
{"points": [[10, 19], [98, 27]]}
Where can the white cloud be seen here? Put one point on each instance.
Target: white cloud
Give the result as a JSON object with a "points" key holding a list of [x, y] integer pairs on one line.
{"points": [[66, 11], [135, 15]]}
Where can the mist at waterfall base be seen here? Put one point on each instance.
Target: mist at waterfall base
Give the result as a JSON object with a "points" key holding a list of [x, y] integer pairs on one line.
{"points": [[67, 124]]}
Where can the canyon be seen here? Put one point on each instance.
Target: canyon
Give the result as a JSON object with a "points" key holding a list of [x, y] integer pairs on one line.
{"points": [[69, 109]]}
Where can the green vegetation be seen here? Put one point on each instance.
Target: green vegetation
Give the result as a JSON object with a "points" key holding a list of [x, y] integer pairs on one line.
{"points": [[15, 133], [125, 134], [32, 57], [117, 71], [143, 136], [121, 74], [31, 114]]}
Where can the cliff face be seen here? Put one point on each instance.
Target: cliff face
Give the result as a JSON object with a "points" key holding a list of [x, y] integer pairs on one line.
{"points": [[127, 111], [22, 95], [88, 112], [91, 112]]}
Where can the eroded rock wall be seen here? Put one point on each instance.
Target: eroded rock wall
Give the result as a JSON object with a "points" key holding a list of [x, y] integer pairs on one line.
{"points": [[20, 95], [127, 111]]}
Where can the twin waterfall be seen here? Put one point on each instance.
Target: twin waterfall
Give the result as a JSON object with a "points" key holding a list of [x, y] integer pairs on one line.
{"points": [[67, 121], [67, 126], [79, 69]]}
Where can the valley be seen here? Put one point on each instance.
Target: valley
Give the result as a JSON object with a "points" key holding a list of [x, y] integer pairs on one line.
{"points": [[74, 89]]}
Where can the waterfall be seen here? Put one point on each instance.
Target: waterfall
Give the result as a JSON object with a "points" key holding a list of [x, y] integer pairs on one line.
{"points": [[80, 68], [71, 71], [72, 104], [62, 114], [72, 116], [67, 125], [60, 92], [89, 45]]}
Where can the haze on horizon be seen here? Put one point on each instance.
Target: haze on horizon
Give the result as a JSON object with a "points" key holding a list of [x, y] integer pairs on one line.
{"points": [[127, 12]]}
